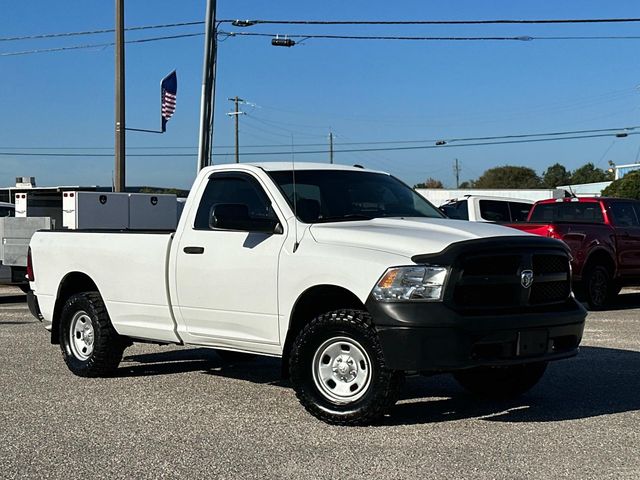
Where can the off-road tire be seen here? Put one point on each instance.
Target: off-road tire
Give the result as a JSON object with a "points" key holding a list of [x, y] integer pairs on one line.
{"points": [[383, 387], [598, 287], [108, 346], [501, 382]]}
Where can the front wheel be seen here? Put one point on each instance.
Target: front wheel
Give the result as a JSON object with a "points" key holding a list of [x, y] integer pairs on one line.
{"points": [[338, 372], [501, 382], [90, 345]]}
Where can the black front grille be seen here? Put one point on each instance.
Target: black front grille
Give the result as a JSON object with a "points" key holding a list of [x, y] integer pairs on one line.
{"points": [[550, 264], [486, 296], [549, 292], [498, 281], [492, 265]]}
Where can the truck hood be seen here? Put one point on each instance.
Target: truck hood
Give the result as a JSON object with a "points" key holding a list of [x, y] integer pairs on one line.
{"points": [[406, 236]]}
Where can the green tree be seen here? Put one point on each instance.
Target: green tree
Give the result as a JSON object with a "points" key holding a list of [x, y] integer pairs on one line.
{"points": [[625, 187], [589, 173], [509, 176], [175, 191], [556, 175], [429, 183], [466, 184]]}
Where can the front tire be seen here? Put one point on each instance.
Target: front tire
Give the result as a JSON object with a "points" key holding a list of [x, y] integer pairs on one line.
{"points": [[501, 382], [338, 372], [90, 345]]}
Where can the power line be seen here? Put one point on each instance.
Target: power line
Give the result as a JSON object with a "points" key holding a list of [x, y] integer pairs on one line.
{"points": [[519, 38], [97, 45], [97, 32], [325, 22], [619, 130], [325, 151], [431, 22]]}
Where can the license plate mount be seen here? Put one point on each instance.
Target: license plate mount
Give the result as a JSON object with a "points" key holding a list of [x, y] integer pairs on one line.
{"points": [[532, 343]]}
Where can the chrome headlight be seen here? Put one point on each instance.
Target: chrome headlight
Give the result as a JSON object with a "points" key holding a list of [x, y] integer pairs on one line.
{"points": [[420, 282]]}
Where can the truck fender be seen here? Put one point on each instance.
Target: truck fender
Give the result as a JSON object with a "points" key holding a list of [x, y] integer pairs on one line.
{"points": [[601, 256], [311, 303], [71, 283]]}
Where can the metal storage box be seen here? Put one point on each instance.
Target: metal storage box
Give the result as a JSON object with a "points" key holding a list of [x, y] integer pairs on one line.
{"points": [[152, 211], [15, 234], [95, 210]]}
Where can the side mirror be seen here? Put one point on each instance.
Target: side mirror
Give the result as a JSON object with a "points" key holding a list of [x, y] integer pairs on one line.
{"points": [[235, 216]]}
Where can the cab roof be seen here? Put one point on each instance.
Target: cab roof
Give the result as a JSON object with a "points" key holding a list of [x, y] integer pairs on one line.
{"points": [[275, 166]]}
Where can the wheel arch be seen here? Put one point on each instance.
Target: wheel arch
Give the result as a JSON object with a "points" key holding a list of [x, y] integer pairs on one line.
{"points": [[600, 256], [311, 303], [72, 283]]}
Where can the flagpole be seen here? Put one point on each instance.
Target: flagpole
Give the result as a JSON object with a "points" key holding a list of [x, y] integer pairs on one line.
{"points": [[207, 99]]}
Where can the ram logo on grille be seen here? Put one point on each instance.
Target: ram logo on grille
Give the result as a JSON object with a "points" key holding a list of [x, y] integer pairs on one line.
{"points": [[526, 278]]}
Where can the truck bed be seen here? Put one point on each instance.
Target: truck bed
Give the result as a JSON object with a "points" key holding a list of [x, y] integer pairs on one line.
{"points": [[131, 271]]}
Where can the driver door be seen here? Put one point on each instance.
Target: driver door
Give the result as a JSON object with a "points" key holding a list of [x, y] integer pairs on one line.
{"points": [[227, 280]]}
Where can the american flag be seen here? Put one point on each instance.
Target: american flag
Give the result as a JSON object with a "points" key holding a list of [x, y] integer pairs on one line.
{"points": [[168, 89]]}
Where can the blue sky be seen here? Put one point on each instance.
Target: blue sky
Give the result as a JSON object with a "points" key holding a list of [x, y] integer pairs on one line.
{"points": [[361, 91]]}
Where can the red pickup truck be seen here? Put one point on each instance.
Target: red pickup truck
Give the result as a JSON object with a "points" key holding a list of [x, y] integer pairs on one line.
{"points": [[604, 237]]}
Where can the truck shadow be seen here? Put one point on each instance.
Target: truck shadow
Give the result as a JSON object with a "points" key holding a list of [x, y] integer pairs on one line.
{"points": [[625, 301], [599, 381], [14, 298], [262, 370]]}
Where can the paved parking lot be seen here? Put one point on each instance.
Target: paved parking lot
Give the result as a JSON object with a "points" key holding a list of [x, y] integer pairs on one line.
{"points": [[178, 412]]}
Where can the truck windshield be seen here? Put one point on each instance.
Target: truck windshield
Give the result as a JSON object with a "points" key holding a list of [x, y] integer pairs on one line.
{"points": [[345, 195], [568, 212]]}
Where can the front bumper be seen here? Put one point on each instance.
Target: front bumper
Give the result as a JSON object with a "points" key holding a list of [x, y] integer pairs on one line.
{"points": [[433, 337]]}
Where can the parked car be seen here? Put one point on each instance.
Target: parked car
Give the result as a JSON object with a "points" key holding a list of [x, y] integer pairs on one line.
{"points": [[488, 209], [603, 235], [348, 275]]}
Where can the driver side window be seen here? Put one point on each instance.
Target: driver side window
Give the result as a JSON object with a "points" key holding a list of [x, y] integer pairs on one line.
{"points": [[236, 188]]}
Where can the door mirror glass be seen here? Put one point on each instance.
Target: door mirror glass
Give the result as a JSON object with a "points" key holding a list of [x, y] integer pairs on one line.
{"points": [[235, 216]]}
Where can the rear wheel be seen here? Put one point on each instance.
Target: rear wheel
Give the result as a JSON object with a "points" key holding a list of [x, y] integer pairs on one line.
{"points": [[598, 287], [90, 345], [501, 382], [338, 371]]}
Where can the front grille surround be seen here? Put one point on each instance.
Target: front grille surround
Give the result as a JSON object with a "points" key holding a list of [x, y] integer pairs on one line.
{"points": [[490, 281]]}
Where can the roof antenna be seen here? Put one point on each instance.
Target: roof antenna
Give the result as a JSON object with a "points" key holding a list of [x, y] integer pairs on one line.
{"points": [[296, 244]]}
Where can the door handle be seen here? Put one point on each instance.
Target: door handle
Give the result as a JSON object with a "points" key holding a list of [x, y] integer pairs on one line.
{"points": [[193, 250]]}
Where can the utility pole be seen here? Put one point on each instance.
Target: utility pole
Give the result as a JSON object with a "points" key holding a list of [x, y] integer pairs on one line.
{"points": [[456, 171], [208, 96], [237, 100], [119, 183], [330, 147]]}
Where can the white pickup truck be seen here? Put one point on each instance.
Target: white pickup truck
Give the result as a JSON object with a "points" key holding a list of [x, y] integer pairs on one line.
{"points": [[346, 273]]}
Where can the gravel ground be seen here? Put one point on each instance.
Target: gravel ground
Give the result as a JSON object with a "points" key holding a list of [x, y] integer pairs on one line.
{"points": [[182, 412]]}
